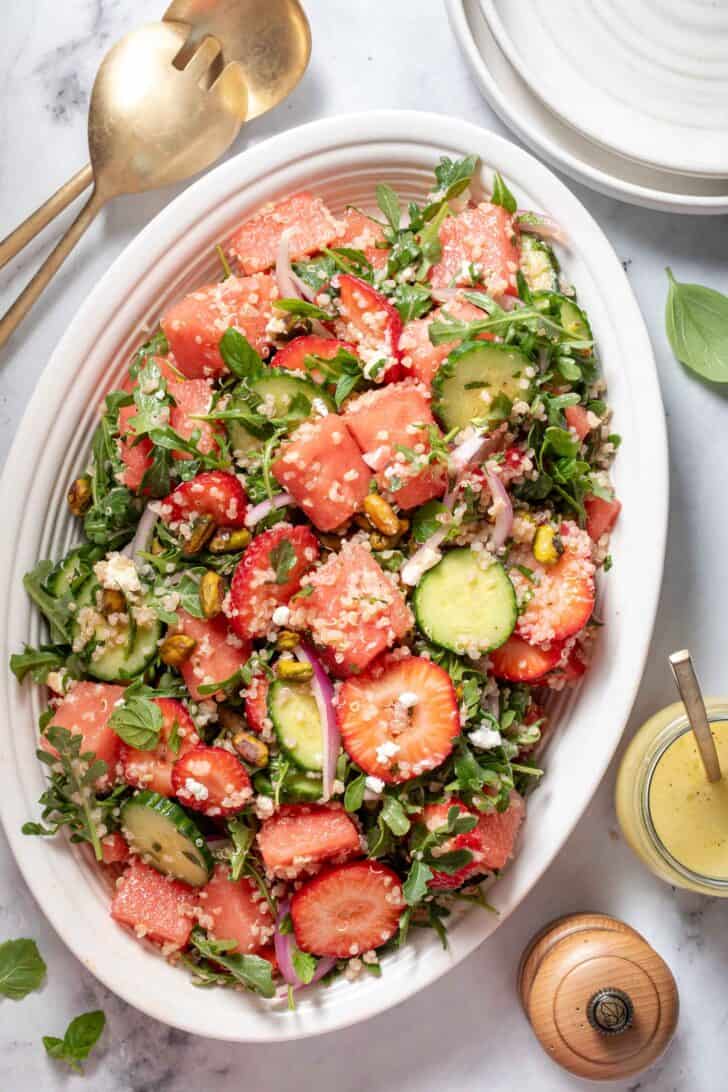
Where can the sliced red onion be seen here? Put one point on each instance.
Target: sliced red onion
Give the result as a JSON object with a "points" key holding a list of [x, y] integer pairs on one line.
{"points": [[536, 223], [504, 519], [142, 535], [284, 944], [323, 692], [289, 285], [271, 504], [468, 452]]}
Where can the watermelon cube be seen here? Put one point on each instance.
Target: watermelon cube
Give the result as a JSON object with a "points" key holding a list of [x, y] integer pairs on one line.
{"points": [[136, 455], [479, 246], [355, 610], [307, 220], [218, 654], [235, 910], [85, 711], [391, 418], [321, 467], [153, 905], [300, 837], [194, 326], [360, 233], [192, 397], [420, 357]]}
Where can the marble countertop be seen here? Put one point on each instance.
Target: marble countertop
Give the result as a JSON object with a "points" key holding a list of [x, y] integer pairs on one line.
{"points": [[466, 1030]]}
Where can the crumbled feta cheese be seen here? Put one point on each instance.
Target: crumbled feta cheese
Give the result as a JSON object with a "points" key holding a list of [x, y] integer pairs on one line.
{"points": [[281, 616], [374, 784], [118, 573], [485, 738]]}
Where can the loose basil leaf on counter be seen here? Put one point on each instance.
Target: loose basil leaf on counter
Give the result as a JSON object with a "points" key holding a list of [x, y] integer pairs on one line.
{"points": [[81, 1036], [22, 968], [138, 722], [696, 319]]}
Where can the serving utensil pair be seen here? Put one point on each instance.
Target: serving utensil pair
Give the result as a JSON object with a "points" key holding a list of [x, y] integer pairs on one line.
{"points": [[168, 100]]}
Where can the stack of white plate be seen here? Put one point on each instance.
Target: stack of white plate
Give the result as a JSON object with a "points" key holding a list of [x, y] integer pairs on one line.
{"points": [[629, 97]]}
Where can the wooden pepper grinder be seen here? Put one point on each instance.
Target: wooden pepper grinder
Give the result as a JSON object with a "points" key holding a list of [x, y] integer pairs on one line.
{"points": [[601, 1001]]}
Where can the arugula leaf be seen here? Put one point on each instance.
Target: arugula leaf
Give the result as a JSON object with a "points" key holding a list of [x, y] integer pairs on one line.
{"points": [[425, 521], [316, 272], [39, 662], [349, 260], [354, 794], [302, 307], [80, 1038], [454, 176], [414, 887], [696, 319], [283, 560], [412, 300], [22, 968], [502, 195], [304, 965], [243, 836], [388, 202], [253, 972], [53, 608], [138, 722], [240, 356]]}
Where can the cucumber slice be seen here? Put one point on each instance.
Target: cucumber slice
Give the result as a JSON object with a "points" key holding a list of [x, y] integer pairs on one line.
{"points": [[75, 566], [165, 835], [279, 390], [565, 311], [472, 370], [539, 265], [297, 723], [465, 604], [296, 787], [128, 649]]}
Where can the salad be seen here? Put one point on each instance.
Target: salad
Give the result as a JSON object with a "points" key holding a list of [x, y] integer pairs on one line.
{"points": [[341, 529]]}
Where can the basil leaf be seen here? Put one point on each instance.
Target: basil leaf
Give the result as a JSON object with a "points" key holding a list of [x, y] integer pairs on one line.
{"points": [[696, 319], [394, 815], [415, 886], [502, 195], [354, 795], [304, 965], [240, 356], [22, 968], [388, 202], [283, 560], [81, 1036], [138, 722]]}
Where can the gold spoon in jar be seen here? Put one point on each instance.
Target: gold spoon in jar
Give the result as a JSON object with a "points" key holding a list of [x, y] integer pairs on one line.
{"points": [[687, 683], [150, 124], [272, 42]]}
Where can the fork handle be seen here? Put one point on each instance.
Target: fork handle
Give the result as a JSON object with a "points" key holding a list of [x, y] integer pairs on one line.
{"points": [[13, 243], [15, 315]]}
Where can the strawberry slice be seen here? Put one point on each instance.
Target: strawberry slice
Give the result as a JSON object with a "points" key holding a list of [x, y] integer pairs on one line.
{"points": [[293, 355], [298, 838], [192, 398], [211, 780], [114, 849], [267, 575], [577, 418], [218, 654], [213, 493], [347, 910], [399, 719], [153, 905], [518, 661], [561, 595], [235, 910], [372, 324], [153, 769], [256, 704], [601, 516], [568, 673], [307, 220], [85, 711]]}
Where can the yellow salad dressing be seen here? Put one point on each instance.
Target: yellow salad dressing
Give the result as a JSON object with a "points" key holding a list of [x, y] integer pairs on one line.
{"points": [[689, 813], [673, 818]]}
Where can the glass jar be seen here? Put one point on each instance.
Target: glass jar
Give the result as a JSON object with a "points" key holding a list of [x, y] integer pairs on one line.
{"points": [[632, 796]]}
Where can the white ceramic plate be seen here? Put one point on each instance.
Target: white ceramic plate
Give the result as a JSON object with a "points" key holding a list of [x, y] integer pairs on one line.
{"points": [[647, 80], [559, 143], [341, 159]]}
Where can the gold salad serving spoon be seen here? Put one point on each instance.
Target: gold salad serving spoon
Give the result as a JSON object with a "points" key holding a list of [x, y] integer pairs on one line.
{"points": [[169, 99]]}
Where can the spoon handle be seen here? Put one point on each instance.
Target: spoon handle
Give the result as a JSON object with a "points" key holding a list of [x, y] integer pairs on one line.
{"points": [[13, 243], [15, 315], [687, 683]]}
